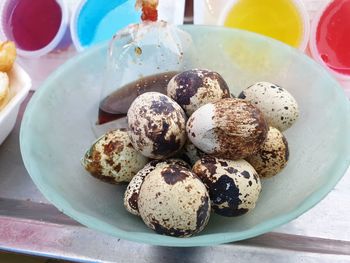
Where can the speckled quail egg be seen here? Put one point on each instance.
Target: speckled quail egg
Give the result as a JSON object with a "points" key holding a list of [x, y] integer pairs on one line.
{"points": [[113, 159], [193, 88], [272, 156], [156, 125], [277, 104], [234, 186], [131, 195], [230, 128], [190, 153], [173, 201]]}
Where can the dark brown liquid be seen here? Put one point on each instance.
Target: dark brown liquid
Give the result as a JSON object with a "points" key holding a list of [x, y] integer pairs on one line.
{"points": [[116, 105]]}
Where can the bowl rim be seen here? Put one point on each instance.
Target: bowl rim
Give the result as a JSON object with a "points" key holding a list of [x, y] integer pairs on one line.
{"points": [[199, 240]]}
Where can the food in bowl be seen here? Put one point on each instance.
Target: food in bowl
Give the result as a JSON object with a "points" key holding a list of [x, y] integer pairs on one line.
{"points": [[14, 87], [272, 156], [7, 55], [229, 128], [112, 107], [156, 125], [131, 195], [7, 59], [234, 186], [194, 88], [113, 159], [4, 88], [276, 103], [173, 199], [190, 153]]}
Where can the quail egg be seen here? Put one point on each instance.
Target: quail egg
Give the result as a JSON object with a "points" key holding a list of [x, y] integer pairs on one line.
{"points": [[193, 88], [190, 153], [277, 104], [230, 128], [156, 125], [113, 159], [234, 186], [132, 191], [173, 201], [272, 156]]}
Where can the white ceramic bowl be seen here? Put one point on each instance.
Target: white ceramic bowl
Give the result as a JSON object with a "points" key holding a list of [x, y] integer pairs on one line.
{"points": [[20, 84], [57, 129]]}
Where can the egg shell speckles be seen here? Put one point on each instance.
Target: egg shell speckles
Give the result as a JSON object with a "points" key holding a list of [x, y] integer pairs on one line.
{"points": [[190, 153], [131, 195], [272, 156], [156, 125], [113, 159], [234, 186], [194, 88], [230, 128], [173, 201], [277, 104]]}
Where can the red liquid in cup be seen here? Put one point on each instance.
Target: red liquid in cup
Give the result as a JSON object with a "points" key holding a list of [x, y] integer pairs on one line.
{"points": [[333, 36], [33, 24]]}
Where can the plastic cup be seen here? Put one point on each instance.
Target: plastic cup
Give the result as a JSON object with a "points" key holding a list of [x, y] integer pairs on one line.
{"points": [[298, 4], [345, 79], [61, 39], [96, 21], [94, 17]]}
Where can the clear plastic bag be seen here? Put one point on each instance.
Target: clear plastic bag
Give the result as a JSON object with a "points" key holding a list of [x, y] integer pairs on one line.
{"points": [[135, 53]]}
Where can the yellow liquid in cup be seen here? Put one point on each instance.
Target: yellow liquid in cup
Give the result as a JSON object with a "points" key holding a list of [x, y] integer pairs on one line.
{"points": [[279, 19]]}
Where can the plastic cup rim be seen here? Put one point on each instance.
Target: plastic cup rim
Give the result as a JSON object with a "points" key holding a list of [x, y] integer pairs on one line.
{"points": [[53, 43], [299, 5], [313, 46], [74, 25]]}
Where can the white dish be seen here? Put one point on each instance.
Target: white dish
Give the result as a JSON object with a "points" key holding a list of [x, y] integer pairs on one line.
{"points": [[20, 84]]}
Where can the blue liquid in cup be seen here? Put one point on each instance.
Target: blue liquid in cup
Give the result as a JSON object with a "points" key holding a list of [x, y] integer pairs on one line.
{"points": [[99, 20]]}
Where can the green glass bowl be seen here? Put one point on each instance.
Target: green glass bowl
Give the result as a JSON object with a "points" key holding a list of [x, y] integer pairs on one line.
{"points": [[56, 130]]}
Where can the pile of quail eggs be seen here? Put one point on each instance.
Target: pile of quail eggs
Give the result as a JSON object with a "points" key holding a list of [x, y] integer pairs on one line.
{"points": [[195, 151]]}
